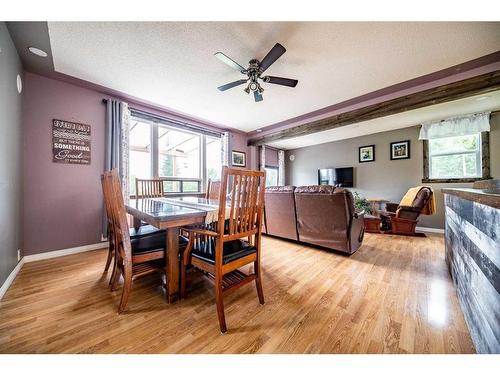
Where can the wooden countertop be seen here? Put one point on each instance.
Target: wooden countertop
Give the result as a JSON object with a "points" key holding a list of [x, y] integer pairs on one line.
{"points": [[488, 197]]}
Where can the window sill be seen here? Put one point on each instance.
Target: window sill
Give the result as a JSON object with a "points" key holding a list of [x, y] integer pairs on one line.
{"points": [[453, 180]]}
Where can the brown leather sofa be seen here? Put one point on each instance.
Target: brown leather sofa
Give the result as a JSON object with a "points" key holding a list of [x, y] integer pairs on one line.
{"points": [[318, 214]]}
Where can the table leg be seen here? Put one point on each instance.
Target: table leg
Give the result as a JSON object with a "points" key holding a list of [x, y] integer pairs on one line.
{"points": [[172, 266], [137, 223]]}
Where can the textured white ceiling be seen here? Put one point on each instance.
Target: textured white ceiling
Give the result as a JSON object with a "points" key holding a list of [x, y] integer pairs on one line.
{"points": [[172, 63], [487, 102]]}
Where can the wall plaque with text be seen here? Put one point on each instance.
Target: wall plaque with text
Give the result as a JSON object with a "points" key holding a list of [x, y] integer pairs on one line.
{"points": [[70, 142]]}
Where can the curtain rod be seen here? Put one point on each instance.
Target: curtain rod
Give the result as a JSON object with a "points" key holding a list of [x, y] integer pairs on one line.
{"points": [[171, 122]]}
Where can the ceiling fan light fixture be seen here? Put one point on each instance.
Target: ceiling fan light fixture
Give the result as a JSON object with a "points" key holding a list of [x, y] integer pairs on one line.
{"points": [[254, 72]]}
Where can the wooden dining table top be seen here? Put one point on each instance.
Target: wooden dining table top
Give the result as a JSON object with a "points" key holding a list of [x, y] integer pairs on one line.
{"points": [[164, 210]]}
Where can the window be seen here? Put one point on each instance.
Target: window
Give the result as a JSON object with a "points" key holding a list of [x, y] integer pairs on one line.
{"points": [[184, 159], [140, 152], [457, 158], [214, 160], [271, 176], [179, 159]]}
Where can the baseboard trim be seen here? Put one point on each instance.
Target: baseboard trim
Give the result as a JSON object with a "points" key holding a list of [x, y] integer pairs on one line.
{"points": [[430, 230], [63, 252], [5, 286]]}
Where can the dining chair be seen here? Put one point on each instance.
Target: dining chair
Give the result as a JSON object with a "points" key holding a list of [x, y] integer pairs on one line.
{"points": [[220, 252], [135, 234], [135, 256], [149, 188], [213, 189]]}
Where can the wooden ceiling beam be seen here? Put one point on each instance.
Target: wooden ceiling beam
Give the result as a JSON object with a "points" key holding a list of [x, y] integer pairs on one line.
{"points": [[453, 91]]}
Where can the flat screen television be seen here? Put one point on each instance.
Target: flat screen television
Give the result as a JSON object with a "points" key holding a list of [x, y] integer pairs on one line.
{"points": [[343, 177]]}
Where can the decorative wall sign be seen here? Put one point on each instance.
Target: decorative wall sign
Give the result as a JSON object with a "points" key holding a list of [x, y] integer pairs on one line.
{"points": [[366, 153], [400, 150], [70, 142]]}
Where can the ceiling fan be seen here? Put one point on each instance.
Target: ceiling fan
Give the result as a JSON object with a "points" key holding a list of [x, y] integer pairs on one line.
{"points": [[254, 72]]}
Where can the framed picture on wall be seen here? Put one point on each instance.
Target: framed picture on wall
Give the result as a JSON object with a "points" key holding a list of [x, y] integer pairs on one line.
{"points": [[400, 150], [366, 153], [238, 159]]}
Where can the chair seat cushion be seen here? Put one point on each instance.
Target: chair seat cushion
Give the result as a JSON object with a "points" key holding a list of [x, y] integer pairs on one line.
{"points": [[152, 242], [144, 230], [233, 250]]}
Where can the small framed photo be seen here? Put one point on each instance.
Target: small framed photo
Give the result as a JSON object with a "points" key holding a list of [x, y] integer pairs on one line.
{"points": [[366, 153], [400, 150], [238, 159]]}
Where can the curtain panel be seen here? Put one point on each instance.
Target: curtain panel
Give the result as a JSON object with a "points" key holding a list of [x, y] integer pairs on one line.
{"points": [[281, 168], [116, 152], [225, 149], [263, 158], [456, 126]]}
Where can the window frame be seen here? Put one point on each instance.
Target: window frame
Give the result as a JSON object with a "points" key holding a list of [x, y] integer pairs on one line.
{"points": [[155, 124], [484, 151]]}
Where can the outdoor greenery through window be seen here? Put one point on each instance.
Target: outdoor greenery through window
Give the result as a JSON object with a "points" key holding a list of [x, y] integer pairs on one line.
{"points": [[271, 176], [183, 158], [455, 157]]}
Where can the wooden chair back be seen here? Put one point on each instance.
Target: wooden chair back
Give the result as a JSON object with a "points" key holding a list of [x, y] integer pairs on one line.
{"points": [[149, 188], [246, 189], [213, 189], [113, 194]]}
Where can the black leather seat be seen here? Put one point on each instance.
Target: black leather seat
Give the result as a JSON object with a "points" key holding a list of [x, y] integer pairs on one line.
{"points": [[144, 230], [148, 238], [232, 250]]}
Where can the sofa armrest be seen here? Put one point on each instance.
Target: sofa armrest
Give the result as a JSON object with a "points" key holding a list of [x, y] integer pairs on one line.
{"points": [[358, 214], [391, 207], [409, 208], [357, 232]]}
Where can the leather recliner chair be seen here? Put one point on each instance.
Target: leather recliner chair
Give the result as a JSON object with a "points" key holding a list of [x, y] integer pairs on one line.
{"points": [[398, 219], [280, 212], [326, 217]]}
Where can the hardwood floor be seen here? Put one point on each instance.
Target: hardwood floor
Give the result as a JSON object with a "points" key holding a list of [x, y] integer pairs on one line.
{"points": [[393, 296]]}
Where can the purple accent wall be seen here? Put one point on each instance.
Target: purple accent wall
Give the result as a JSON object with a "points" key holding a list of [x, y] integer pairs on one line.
{"points": [[63, 203]]}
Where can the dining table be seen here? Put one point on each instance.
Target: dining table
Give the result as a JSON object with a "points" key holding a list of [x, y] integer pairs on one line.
{"points": [[172, 214]]}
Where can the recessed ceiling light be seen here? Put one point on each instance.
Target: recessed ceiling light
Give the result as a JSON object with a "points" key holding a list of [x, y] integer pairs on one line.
{"points": [[482, 98], [37, 51], [258, 130]]}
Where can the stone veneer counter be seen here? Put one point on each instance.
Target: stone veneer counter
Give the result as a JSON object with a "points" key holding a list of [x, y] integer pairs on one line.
{"points": [[472, 240]]}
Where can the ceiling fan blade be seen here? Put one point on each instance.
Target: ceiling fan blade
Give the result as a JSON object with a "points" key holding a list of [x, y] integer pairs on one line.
{"points": [[257, 95], [227, 60], [231, 85], [281, 81], [273, 55]]}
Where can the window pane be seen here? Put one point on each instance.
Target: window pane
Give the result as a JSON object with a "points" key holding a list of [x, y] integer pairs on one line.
{"points": [[454, 144], [179, 153], [271, 176], [454, 166], [140, 152], [190, 186], [214, 163], [172, 186]]}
